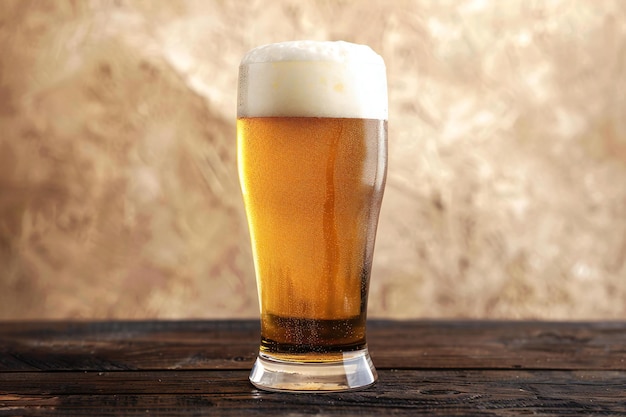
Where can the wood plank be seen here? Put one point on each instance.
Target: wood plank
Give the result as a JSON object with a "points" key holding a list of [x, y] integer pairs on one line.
{"points": [[121, 345], [402, 392], [498, 344], [126, 345]]}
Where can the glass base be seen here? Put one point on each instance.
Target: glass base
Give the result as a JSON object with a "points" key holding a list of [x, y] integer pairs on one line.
{"points": [[354, 371]]}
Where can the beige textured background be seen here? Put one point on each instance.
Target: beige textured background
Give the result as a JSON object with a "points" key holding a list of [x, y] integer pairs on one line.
{"points": [[506, 193]]}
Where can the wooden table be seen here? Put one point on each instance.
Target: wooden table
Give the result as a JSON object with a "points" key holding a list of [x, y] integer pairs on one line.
{"points": [[186, 368]]}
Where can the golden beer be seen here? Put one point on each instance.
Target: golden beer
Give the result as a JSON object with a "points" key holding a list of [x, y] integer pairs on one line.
{"points": [[312, 166], [312, 205]]}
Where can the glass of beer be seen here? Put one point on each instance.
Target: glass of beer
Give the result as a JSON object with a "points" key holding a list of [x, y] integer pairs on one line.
{"points": [[312, 159]]}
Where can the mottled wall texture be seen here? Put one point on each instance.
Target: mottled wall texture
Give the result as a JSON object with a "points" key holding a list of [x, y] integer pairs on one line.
{"points": [[506, 193]]}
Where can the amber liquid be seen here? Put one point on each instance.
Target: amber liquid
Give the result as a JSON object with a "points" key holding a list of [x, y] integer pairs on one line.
{"points": [[312, 190]]}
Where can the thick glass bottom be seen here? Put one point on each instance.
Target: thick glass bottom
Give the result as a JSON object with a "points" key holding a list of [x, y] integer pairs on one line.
{"points": [[350, 371]]}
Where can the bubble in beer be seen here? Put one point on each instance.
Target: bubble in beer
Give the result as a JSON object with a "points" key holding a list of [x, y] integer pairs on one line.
{"points": [[313, 79]]}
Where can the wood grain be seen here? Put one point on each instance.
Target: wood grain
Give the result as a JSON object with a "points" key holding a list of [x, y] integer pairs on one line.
{"points": [[402, 392], [460, 368], [120, 345]]}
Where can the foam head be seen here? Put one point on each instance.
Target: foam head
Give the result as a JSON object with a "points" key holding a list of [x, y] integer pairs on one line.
{"points": [[312, 79]]}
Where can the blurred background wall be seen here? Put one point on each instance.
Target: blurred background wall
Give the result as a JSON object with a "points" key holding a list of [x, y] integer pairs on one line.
{"points": [[506, 193]]}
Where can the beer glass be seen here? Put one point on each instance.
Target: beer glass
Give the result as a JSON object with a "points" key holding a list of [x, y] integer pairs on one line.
{"points": [[312, 159]]}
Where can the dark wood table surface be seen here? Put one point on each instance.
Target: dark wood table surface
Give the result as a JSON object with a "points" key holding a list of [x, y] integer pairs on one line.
{"points": [[189, 368]]}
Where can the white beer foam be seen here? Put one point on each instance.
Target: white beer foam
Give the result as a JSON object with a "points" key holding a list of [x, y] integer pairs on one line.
{"points": [[313, 79]]}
